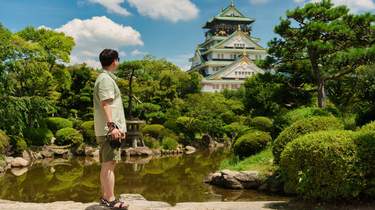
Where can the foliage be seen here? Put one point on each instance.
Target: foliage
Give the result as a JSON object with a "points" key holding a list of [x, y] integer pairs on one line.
{"points": [[57, 123], [262, 123], [236, 129], [37, 136], [368, 127], [151, 142], [169, 143], [18, 144], [88, 132], [261, 161], [322, 165], [251, 143], [4, 142], [326, 39], [18, 113], [268, 94], [67, 136], [300, 128], [156, 131]]}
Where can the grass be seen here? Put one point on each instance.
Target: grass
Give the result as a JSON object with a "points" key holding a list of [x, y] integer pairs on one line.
{"points": [[262, 162]]}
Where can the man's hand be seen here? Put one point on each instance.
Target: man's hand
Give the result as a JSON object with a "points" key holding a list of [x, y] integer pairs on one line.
{"points": [[116, 134]]}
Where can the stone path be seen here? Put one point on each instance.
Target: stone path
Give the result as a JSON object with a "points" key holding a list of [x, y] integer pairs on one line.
{"points": [[138, 202]]}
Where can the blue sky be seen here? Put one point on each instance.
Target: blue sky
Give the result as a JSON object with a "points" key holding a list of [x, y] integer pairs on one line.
{"points": [[168, 29]]}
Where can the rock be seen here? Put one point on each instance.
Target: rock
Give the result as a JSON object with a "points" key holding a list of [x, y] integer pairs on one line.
{"points": [[19, 171], [189, 150], [46, 153], [19, 162], [8, 160], [138, 151], [235, 180], [91, 152]]}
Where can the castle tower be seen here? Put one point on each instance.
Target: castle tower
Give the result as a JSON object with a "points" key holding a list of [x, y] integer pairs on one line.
{"points": [[226, 57]]}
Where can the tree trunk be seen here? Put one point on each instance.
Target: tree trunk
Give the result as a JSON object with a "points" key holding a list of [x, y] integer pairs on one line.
{"points": [[319, 80], [321, 93]]}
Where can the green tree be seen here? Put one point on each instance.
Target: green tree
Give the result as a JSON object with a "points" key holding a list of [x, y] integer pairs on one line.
{"points": [[328, 39]]}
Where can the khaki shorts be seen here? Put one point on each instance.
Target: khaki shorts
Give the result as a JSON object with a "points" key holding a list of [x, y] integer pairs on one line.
{"points": [[106, 152]]}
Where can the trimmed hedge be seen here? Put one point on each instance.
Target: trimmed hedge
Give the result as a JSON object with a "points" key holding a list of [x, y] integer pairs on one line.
{"points": [[151, 142], [169, 143], [262, 123], [18, 144], [4, 142], [300, 128], [299, 114], [88, 132], [368, 127], [57, 123], [251, 143], [38, 136], [322, 165], [68, 136], [155, 130]]}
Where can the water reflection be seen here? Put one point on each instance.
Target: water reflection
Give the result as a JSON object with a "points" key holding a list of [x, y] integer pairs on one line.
{"points": [[169, 179]]}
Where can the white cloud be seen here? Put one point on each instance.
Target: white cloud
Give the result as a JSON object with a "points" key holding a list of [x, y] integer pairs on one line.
{"points": [[257, 2], [113, 6], [181, 61], [354, 5], [93, 35], [137, 52], [171, 10]]}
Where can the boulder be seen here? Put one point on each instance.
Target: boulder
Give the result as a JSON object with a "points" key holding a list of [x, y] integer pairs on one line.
{"points": [[235, 180], [19, 162], [19, 171], [138, 151], [190, 150], [91, 151]]}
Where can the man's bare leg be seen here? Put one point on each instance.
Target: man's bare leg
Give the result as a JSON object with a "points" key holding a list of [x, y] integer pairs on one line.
{"points": [[107, 179]]}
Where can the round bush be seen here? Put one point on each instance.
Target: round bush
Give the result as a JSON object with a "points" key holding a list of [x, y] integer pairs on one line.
{"points": [[4, 142], [151, 142], [18, 144], [154, 130], [299, 114], [300, 128], [322, 165], [68, 136], [169, 143], [88, 132], [57, 123], [251, 143], [262, 123], [38, 136], [368, 127]]}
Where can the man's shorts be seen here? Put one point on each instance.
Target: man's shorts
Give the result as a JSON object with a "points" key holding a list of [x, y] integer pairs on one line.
{"points": [[106, 152]]}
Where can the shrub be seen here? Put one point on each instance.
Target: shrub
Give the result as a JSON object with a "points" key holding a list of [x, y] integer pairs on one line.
{"points": [[57, 123], [38, 136], [169, 143], [368, 127], [154, 130], [251, 143], [68, 136], [237, 128], [300, 128], [151, 142], [299, 114], [321, 165], [365, 142], [18, 144], [262, 123], [4, 142], [88, 132]]}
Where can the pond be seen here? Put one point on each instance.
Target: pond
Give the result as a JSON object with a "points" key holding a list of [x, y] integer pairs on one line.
{"points": [[170, 179]]}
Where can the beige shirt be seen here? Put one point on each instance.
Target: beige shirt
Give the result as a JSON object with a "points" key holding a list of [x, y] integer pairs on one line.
{"points": [[106, 88]]}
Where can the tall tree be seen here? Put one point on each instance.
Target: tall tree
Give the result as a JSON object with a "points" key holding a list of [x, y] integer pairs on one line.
{"points": [[329, 39]]}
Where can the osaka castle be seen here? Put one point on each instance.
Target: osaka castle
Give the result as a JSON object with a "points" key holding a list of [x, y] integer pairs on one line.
{"points": [[226, 57]]}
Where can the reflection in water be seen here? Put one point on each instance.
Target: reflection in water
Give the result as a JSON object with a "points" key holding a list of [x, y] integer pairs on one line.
{"points": [[169, 179]]}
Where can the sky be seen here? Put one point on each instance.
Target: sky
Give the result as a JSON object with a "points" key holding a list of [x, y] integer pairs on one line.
{"points": [[169, 29]]}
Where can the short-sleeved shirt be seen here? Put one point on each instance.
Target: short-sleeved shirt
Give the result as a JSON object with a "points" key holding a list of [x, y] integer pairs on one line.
{"points": [[106, 88]]}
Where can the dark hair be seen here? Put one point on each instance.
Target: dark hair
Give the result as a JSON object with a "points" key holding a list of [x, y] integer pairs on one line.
{"points": [[107, 57]]}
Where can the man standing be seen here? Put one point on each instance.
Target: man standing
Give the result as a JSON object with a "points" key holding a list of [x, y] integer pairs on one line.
{"points": [[109, 119]]}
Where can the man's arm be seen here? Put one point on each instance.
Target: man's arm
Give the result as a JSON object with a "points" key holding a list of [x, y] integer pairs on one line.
{"points": [[116, 133]]}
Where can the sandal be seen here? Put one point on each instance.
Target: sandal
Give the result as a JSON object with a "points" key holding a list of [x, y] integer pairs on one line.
{"points": [[112, 204]]}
